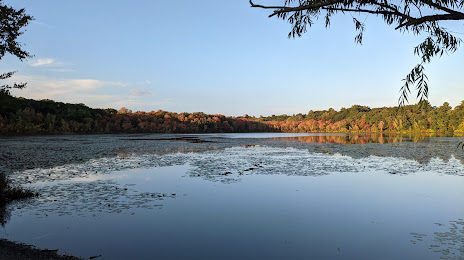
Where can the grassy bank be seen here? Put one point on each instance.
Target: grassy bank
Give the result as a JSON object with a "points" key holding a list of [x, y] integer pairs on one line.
{"points": [[9, 193]]}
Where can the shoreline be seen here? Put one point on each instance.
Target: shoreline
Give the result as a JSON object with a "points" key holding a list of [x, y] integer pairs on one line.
{"points": [[13, 250], [424, 134]]}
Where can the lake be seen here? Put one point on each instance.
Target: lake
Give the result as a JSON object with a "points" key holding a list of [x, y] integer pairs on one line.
{"points": [[238, 196]]}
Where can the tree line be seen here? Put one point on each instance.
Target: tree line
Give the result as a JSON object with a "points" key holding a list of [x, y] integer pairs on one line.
{"points": [[421, 117], [20, 116]]}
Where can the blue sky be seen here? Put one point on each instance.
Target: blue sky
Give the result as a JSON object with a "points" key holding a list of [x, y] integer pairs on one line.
{"points": [[216, 57]]}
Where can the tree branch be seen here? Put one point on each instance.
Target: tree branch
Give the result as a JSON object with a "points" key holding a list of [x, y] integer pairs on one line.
{"points": [[387, 6], [266, 7], [438, 42], [442, 8], [431, 18], [287, 9], [359, 10]]}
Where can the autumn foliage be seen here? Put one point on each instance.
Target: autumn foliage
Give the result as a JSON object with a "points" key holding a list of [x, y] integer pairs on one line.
{"points": [[19, 116]]}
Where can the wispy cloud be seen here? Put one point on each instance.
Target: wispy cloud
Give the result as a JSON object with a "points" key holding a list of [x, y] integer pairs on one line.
{"points": [[147, 82], [92, 92], [139, 92], [43, 62], [51, 65], [42, 24], [63, 70]]}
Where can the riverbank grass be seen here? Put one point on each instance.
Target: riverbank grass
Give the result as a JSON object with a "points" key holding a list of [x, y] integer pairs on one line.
{"points": [[9, 193]]}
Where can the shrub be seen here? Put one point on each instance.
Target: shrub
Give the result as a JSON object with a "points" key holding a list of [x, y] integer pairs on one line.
{"points": [[9, 193]]}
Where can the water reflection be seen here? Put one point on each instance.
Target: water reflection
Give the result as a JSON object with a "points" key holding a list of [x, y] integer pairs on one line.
{"points": [[190, 139], [359, 139], [88, 194], [52, 151], [5, 214], [421, 148], [265, 216], [167, 150], [320, 190]]}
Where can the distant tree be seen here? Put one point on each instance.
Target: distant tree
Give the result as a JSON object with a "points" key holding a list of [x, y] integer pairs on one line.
{"points": [[124, 111], [416, 16], [12, 22]]}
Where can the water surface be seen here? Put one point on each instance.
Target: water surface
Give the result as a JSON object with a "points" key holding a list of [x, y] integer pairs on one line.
{"points": [[244, 197]]}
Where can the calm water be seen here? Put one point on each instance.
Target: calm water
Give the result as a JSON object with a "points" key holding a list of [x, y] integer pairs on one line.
{"points": [[252, 196]]}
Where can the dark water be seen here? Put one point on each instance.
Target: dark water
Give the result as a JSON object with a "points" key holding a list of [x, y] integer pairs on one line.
{"points": [[259, 196]]}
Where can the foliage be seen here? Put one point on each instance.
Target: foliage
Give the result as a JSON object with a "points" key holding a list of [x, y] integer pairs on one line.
{"points": [[412, 118], [416, 16], [12, 22], [19, 116], [9, 193]]}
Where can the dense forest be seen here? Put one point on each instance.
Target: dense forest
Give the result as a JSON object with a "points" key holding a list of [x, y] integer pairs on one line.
{"points": [[408, 119], [20, 116]]}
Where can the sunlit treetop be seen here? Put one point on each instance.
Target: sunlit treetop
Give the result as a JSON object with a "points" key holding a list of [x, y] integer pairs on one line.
{"points": [[421, 17]]}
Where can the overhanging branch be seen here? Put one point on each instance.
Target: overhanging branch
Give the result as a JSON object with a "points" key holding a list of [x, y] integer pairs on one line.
{"points": [[289, 9], [431, 18], [442, 8], [406, 19], [393, 12], [359, 11]]}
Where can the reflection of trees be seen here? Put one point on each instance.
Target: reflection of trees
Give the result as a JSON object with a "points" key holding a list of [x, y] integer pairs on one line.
{"points": [[4, 215], [359, 139], [8, 194], [49, 152], [420, 148], [21, 153]]}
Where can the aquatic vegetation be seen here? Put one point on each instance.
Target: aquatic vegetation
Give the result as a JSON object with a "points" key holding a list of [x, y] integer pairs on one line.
{"points": [[9, 193], [157, 187], [448, 242]]}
